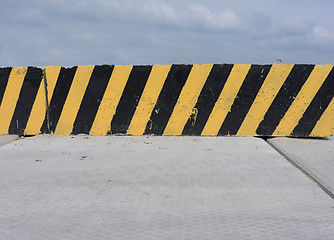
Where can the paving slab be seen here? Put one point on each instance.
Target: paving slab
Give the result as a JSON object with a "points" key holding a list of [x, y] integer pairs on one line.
{"points": [[111, 187], [5, 139], [314, 156]]}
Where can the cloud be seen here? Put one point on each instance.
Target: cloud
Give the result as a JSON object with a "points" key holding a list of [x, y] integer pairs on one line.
{"points": [[159, 10], [223, 20], [62, 32], [321, 34], [84, 37]]}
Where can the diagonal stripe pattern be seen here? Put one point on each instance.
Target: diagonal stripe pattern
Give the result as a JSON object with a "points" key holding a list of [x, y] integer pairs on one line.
{"points": [[198, 99], [10, 97]]}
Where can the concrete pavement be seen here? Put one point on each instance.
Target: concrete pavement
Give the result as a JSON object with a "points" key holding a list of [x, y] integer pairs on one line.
{"points": [[314, 156], [5, 139], [83, 187]]}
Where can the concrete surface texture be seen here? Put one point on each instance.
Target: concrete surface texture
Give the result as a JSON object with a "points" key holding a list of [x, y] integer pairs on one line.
{"points": [[83, 187], [315, 156], [5, 139]]}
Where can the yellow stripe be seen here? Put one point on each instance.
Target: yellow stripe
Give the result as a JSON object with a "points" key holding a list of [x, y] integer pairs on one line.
{"points": [[110, 100], [148, 99], [272, 84], [10, 97], [73, 101], [38, 111], [187, 99], [303, 100], [226, 99], [325, 125]]}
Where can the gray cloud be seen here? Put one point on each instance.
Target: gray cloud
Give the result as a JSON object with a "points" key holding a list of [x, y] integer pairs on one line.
{"points": [[78, 32]]}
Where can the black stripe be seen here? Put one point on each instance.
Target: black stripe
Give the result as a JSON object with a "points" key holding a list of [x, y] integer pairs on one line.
{"points": [[60, 93], [207, 99], [26, 100], [288, 92], [4, 76], [167, 99], [92, 98], [316, 108], [130, 98], [244, 99]]}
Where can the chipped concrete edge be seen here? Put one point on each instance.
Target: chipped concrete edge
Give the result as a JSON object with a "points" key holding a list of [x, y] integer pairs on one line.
{"points": [[5, 139]]}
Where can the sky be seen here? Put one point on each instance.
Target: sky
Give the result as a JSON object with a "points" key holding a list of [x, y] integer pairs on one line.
{"points": [[140, 32]]}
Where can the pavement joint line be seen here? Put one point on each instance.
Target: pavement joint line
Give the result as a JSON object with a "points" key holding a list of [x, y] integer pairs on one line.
{"points": [[307, 173]]}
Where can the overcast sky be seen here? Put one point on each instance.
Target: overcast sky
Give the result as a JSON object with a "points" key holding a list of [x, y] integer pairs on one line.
{"points": [[80, 32]]}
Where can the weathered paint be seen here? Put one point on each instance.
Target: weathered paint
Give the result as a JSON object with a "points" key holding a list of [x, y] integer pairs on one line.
{"points": [[73, 101], [187, 99], [112, 95], [11, 95], [325, 123], [302, 101], [272, 84], [208, 99], [148, 100], [38, 111], [225, 100]]}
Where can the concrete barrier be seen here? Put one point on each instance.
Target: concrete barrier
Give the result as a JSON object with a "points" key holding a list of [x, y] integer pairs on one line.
{"points": [[18, 91], [209, 99]]}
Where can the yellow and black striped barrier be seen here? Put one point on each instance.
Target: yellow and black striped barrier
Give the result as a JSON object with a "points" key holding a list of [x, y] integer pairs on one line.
{"points": [[209, 100]]}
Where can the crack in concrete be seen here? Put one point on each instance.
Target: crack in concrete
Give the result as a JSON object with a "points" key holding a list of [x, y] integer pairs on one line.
{"points": [[47, 102]]}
